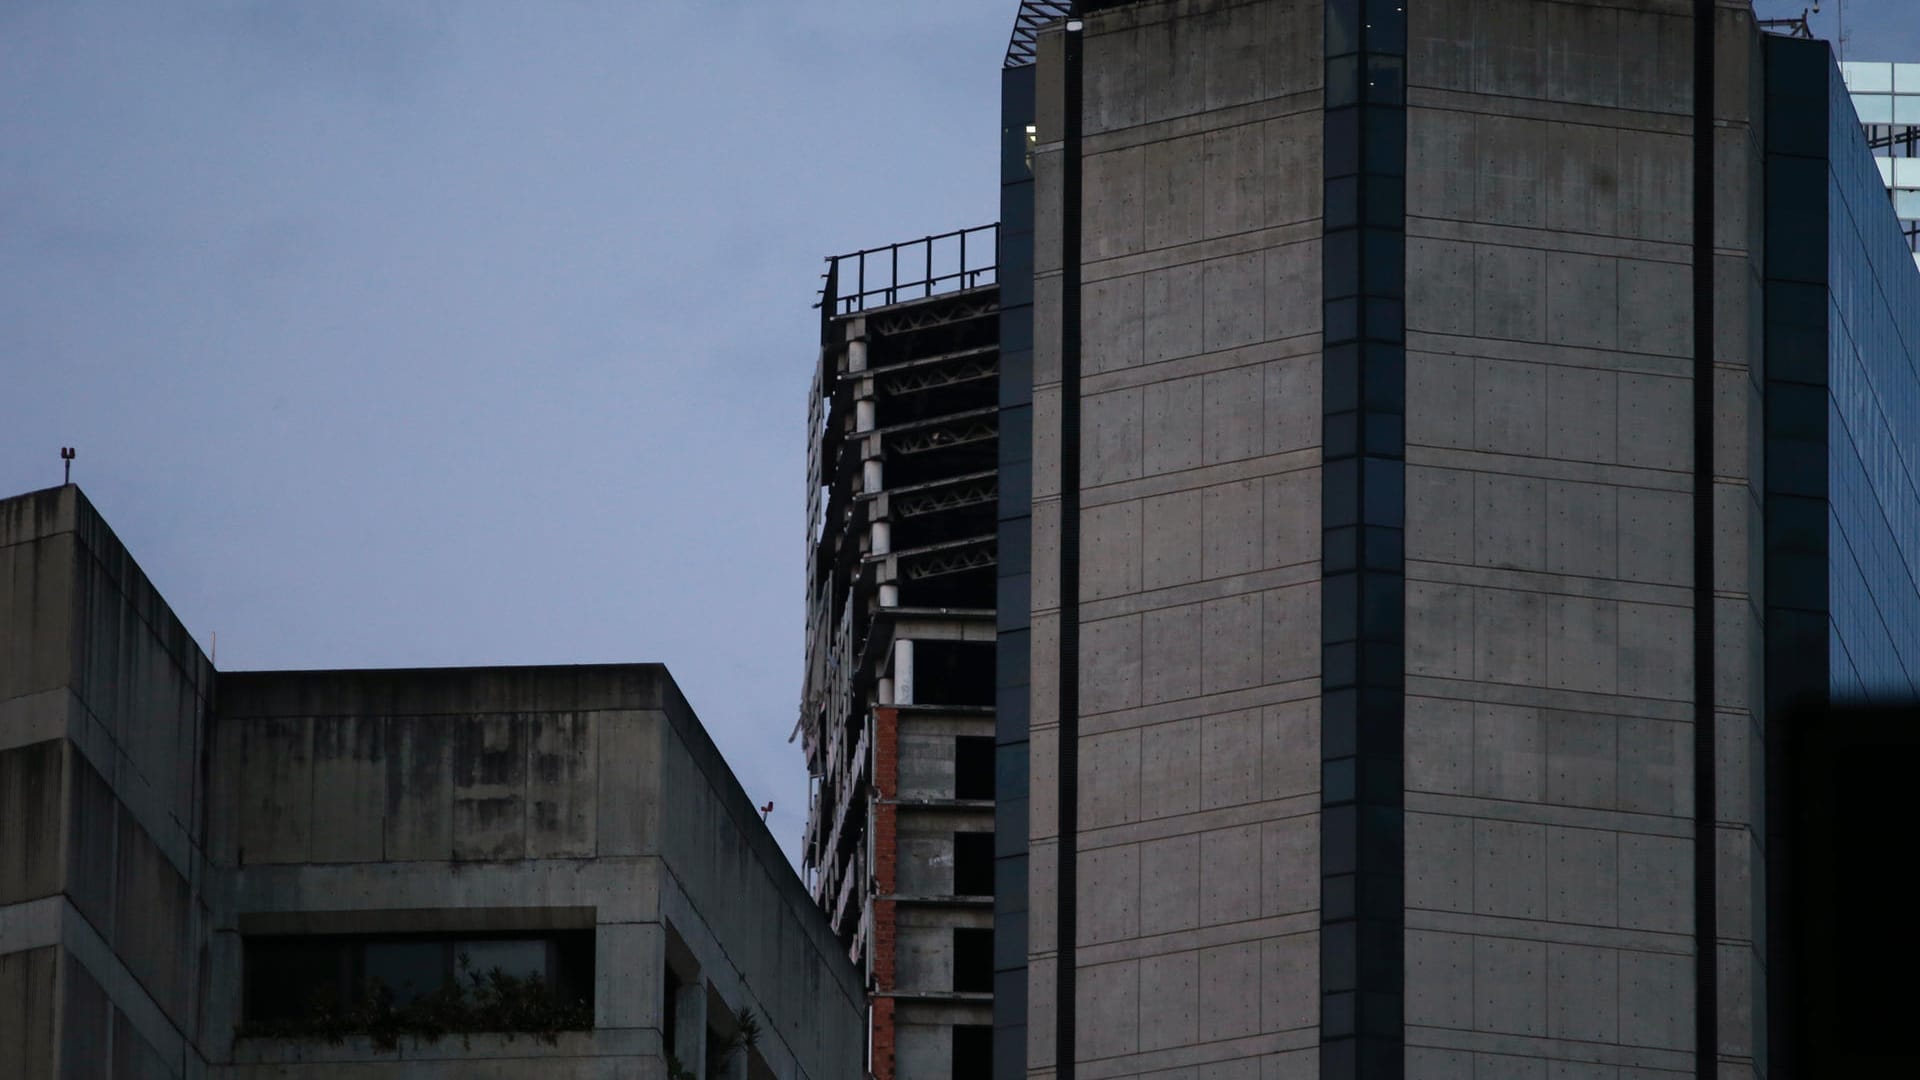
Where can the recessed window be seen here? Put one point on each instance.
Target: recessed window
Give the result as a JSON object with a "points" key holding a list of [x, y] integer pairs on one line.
{"points": [[301, 985], [973, 767], [973, 960], [972, 1051], [973, 864]]}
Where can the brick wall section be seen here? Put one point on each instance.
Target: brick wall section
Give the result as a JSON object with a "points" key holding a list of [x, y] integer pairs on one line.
{"points": [[886, 854]]}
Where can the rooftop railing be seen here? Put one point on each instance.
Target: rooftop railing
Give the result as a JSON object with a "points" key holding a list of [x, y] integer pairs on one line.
{"points": [[910, 270]]}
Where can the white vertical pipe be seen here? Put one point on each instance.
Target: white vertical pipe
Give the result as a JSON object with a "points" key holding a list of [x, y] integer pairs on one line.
{"points": [[889, 596], [881, 537]]}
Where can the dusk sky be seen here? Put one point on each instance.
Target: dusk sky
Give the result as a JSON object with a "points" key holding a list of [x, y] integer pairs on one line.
{"points": [[414, 333]]}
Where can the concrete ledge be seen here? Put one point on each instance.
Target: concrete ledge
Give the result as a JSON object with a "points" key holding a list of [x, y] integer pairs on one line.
{"points": [[1547, 698], [31, 924], [454, 691], [36, 717], [417, 920], [1556, 933], [477, 1046], [1572, 817], [1679, 122], [621, 885], [85, 946], [1680, 1062], [1226, 817]]}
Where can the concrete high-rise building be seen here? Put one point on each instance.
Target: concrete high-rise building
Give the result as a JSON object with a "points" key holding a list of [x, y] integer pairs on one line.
{"points": [[1443, 443], [897, 707], [277, 874]]}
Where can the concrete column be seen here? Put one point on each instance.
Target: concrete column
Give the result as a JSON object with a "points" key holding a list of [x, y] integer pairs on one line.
{"points": [[903, 672], [690, 1026]]}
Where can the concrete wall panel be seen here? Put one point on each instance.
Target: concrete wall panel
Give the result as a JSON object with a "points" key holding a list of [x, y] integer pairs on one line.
{"points": [[85, 1019], [489, 788], [1192, 644], [1169, 1000], [1170, 884], [349, 789], [1173, 409], [134, 1058], [276, 791], [1227, 973], [94, 815], [563, 760], [27, 1011], [1550, 141], [153, 931], [628, 803], [418, 796], [32, 798], [1109, 904], [36, 604], [1170, 777]]}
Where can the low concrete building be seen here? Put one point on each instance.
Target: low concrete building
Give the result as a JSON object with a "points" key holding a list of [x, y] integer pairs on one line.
{"points": [[204, 874]]}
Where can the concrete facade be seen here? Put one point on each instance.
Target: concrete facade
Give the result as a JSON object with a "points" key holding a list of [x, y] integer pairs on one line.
{"points": [[1551, 604], [1553, 375], [1197, 617], [161, 816]]}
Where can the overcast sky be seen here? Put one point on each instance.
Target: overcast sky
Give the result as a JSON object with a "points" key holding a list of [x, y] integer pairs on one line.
{"points": [[411, 333]]}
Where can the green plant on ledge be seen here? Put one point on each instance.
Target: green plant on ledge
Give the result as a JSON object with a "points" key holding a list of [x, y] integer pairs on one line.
{"points": [[491, 1001]]}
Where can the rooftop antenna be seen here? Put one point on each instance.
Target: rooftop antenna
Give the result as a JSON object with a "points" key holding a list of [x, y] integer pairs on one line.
{"points": [[765, 810], [66, 460]]}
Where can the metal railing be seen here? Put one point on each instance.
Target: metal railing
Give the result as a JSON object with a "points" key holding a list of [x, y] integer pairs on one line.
{"points": [[910, 270]]}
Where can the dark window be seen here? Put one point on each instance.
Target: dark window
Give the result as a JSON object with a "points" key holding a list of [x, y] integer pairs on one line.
{"points": [[973, 864], [973, 960], [954, 672], [973, 767], [287, 978], [972, 1052], [670, 999]]}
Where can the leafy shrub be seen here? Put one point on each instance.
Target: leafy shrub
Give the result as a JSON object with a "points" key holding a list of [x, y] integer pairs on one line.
{"points": [[490, 1001]]}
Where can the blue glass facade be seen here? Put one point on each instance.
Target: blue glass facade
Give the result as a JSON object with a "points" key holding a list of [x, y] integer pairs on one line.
{"points": [[1873, 426], [1843, 401], [1842, 414]]}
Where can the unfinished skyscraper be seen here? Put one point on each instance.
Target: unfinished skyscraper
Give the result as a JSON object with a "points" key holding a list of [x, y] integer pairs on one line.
{"points": [[897, 706]]}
